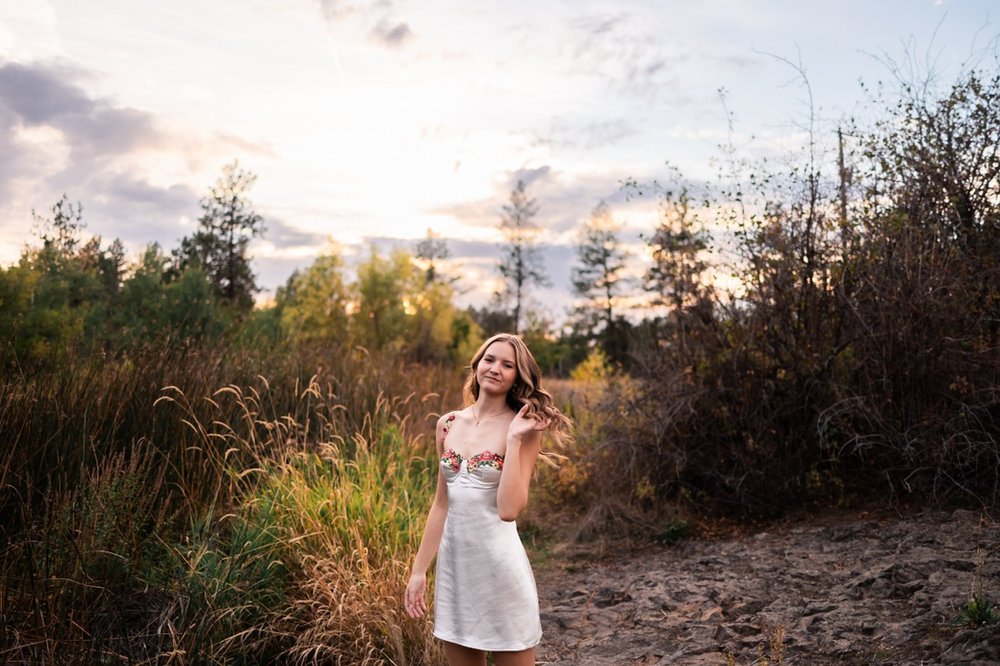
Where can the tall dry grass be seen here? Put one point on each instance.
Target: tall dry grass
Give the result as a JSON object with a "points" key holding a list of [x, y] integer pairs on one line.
{"points": [[150, 516]]}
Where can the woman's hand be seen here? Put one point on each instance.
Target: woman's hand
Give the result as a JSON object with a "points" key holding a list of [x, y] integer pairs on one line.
{"points": [[415, 603], [521, 425]]}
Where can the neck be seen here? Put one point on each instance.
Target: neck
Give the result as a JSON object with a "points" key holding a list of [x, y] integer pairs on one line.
{"points": [[490, 404]]}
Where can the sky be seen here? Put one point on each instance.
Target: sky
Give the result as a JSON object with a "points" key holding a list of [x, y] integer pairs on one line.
{"points": [[375, 121]]}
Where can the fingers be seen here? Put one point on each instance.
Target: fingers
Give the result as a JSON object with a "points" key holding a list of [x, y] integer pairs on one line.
{"points": [[416, 610], [414, 601]]}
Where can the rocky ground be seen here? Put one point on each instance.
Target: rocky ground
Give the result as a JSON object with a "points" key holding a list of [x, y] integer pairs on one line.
{"points": [[851, 590]]}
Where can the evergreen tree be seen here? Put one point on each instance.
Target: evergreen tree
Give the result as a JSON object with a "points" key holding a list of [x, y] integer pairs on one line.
{"points": [[219, 246], [675, 277], [599, 277], [520, 254]]}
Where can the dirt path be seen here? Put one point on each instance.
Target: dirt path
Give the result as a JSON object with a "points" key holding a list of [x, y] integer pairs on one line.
{"points": [[869, 591]]}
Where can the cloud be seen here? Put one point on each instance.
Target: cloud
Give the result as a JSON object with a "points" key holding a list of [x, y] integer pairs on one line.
{"points": [[137, 211], [17, 162], [38, 94], [529, 176], [172, 199], [621, 53], [290, 238], [45, 101], [223, 142], [28, 29], [383, 26], [56, 137], [282, 250], [588, 135], [390, 35], [334, 10], [565, 200], [41, 95]]}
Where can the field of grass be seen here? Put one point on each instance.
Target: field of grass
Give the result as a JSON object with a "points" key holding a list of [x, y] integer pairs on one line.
{"points": [[201, 506]]}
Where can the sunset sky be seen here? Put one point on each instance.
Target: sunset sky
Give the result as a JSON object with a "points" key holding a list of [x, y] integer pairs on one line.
{"points": [[375, 121]]}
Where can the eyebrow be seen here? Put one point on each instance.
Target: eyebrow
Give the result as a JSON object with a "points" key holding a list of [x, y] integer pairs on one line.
{"points": [[491, 356]]}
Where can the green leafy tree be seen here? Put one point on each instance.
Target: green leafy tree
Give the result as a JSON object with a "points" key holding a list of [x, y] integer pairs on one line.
{"points": [[556, 354], [396, 310], [191, 309], [220, 245], [104, 269], [140, 316], [313, 305], [520, 263], [60, 294], [385, 292]]}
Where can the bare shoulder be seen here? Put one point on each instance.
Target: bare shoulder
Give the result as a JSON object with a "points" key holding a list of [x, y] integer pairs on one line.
{"points": [[444, 419], [462, 417]]}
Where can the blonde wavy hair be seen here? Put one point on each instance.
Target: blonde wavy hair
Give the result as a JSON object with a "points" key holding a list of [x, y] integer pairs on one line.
{"points": [[527, 388]]}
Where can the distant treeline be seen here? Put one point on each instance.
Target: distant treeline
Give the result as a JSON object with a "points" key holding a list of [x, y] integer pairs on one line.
{"points": [[69, 294]]}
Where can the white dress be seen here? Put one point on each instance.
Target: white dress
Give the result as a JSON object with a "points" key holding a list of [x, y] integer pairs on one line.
{"points": [[484, 592]]}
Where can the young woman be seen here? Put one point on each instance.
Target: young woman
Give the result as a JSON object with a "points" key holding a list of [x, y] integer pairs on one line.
{"points": [[484, 593]]}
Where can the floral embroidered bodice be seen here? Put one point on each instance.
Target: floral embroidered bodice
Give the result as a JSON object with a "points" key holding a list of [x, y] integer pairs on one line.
{"points": [[452, 461]]}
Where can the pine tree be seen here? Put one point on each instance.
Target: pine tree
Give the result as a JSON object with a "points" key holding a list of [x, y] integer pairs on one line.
{"points": [[600, 275], [520, 254], [226, 226]]}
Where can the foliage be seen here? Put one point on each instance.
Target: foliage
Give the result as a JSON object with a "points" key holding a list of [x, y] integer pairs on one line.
{"points": [[677, 275], [313, 304], [74, 294], [855, 353], [491, 318], [555, 353], [520, 262], [978, 612], [595, 369], [161, 501], [219, 247], [428, 252], [598, 276], [60, 294], [672, 532], [397, 310]]}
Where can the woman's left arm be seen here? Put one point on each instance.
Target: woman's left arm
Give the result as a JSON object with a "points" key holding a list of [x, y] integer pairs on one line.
{"points": [[524, 442]]}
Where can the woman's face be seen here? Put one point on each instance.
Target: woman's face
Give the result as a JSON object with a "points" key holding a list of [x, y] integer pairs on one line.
{"points": [[497, 370]]}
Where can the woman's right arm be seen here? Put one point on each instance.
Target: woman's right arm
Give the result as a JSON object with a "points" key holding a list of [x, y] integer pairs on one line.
{"points": [[415, 601]]}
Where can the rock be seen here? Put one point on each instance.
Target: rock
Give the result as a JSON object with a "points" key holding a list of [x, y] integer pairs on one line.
{"points": [[875, 591]]}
